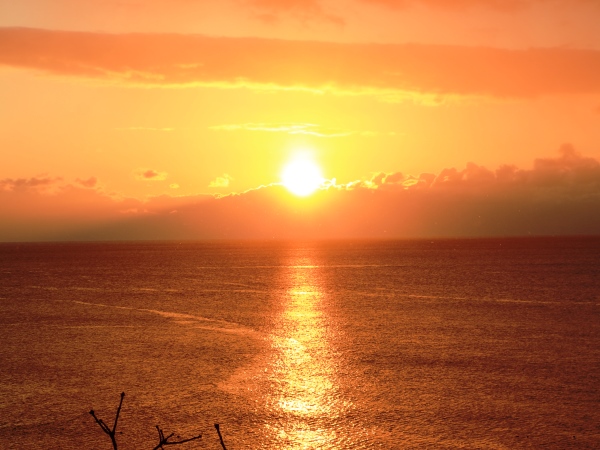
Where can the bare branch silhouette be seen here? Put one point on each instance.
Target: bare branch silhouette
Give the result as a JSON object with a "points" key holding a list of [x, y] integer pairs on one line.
{"points": [[220, 437], [102, 424], [162, 439]]}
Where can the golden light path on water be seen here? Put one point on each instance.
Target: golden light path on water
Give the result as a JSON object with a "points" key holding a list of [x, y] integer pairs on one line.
{"points": [[303, 388]]}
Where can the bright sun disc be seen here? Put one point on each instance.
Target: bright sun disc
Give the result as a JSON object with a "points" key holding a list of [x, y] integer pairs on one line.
{"points": [[301, 177]]}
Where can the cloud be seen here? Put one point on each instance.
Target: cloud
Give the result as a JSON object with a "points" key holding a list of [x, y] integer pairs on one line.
{"points": [[558, 195], [569, 169], [305, 11], [150, 175], [89, 183], [43, 183], [309, 129], [569, 172], [144, 129], [502, 5], [315, 8], [507, 6], [221, 182], [391, 70]]}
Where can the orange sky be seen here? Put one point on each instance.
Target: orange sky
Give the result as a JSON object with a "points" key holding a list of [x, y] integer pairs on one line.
{"points": [[173, 119]]}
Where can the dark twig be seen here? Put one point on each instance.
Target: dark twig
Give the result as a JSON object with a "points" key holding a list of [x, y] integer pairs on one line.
{"points": [[102, 424], [220, 437], [162, 440]]}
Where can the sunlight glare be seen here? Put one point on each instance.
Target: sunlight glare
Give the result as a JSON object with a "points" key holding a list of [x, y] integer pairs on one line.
{"points": [[302, 177]]}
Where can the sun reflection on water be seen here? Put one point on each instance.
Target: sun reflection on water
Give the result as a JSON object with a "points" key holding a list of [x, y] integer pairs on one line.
{"points": [[304, 392]]}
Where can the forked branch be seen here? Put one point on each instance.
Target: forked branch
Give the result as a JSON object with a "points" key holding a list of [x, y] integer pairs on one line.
{"points": [[102, 424], [162, 439]]}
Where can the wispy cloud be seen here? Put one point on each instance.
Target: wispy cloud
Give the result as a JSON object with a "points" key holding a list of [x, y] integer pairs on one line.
{"points": [[88, 183], [305, 11], [167, 129], [144, 174], [309, 129], [324, 9], [40, 183], [394, 71], [507, 6], [221, 182]]}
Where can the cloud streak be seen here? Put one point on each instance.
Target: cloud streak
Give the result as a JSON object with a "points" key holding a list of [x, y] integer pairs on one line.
{"points": [[498, 5], [166, 129], [309, 129], [324, 10], [150, 175], [41, 183], [271, 11], [392, 70]]}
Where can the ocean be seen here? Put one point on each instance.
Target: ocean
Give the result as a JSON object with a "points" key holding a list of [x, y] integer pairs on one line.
{"points": [[434, 344]]}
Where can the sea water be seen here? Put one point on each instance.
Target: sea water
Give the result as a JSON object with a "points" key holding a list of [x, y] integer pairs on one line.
{"points": [[442, 344]]}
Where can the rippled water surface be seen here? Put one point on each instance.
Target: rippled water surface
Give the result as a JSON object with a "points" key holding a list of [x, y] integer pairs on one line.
{"points": [[475, 344]]}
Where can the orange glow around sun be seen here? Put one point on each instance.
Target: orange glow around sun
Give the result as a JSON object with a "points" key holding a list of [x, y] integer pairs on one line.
{"points": [[301, 176]]}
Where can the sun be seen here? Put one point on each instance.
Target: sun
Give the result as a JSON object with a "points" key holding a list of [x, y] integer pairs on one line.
{"points": [[301, 177]]}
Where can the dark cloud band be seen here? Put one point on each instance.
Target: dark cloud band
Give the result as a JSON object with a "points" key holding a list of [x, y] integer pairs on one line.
{"points": [[169, 59]]}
